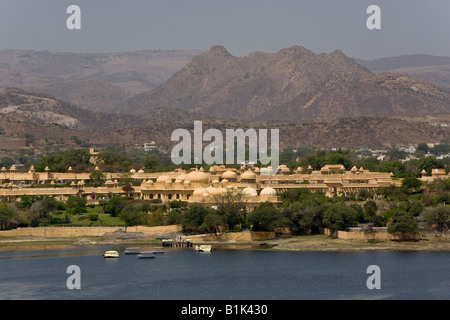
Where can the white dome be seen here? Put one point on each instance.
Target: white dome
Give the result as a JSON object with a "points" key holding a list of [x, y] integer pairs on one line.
{"points": [[268, 192], [248, 175], [149, 182], [163, 178], [216, 191], [229, 175], [197, 177], [199, 192], [250, 192]]}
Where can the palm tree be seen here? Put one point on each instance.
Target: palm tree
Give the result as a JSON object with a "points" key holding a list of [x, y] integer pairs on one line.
{"points": [[128, 189]]}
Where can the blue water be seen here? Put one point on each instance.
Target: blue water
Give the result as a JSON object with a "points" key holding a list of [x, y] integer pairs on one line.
{"points": [[184, 274]]}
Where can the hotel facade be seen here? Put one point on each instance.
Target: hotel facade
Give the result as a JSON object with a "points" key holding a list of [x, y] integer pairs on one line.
{"points": [[199, 186]]}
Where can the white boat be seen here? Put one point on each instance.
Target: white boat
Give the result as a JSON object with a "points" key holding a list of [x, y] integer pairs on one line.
{"points": [[111, 254], [203, 248]]}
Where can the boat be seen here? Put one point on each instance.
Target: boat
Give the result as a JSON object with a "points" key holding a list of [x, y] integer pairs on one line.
{"points": [[132, 251], [111, 254], [151, 252], [203, 248], [145, 255]]}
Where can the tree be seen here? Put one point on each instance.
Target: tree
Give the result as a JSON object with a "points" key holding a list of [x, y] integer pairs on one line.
{"points": [[414, 207], [340, 217], [76, 205], [402, 225], [96, 178], [78, 159], [438, 216], [423, 147], [151, 161], [128, 189], [429, 163], [8, 218], [411, 183], [114, 205], [134, 214], [114, 161], [305, 217], [264, 218], [232, 206], [370, 211], [194, 217], [175, 204], [213, 222], [40, 211]]}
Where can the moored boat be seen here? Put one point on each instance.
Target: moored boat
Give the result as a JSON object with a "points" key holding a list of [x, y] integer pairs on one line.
{"points": [[132, 251], [145, 256], [111, 254], [203, 248]]}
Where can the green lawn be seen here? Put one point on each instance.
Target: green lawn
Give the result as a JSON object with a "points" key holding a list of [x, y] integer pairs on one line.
{"points": [[104, 219]]}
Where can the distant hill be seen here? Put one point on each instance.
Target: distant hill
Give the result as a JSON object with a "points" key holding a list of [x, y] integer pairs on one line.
{"points": [[428, 67], [294, 84], [97, 81]]}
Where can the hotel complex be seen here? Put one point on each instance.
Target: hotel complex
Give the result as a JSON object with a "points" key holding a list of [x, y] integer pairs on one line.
{"points": [[198, 186]]}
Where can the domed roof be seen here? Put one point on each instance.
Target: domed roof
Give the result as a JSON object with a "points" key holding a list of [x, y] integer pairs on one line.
{"points": [[248, 175], [149, 182], [229, 175], [197, 177], [199, 192], [268, 192], [141, 171], [216, 191], [132, 171], [250, 192], [163, 178], [181, 177]]}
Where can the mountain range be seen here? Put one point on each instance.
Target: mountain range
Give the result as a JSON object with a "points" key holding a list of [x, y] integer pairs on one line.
{"points": [[292, 84], [325, 100]]}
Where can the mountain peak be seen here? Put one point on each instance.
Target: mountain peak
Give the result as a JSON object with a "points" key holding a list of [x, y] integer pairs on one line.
{"points": [[295, 50], [218, 50]]}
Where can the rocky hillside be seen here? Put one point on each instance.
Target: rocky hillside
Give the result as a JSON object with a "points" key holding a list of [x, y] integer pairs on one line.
{"points": [[428, 67], [51, 122], [292, 84]]}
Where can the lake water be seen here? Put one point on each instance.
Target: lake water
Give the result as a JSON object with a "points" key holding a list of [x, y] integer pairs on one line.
{"points": [[184, 274]]}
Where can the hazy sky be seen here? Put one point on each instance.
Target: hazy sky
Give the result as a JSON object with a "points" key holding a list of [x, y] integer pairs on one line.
{"points": [[242, 26]]}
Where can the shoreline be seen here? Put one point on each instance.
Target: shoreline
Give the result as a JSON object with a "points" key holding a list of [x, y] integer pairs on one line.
{"points": [[309, 243]]}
